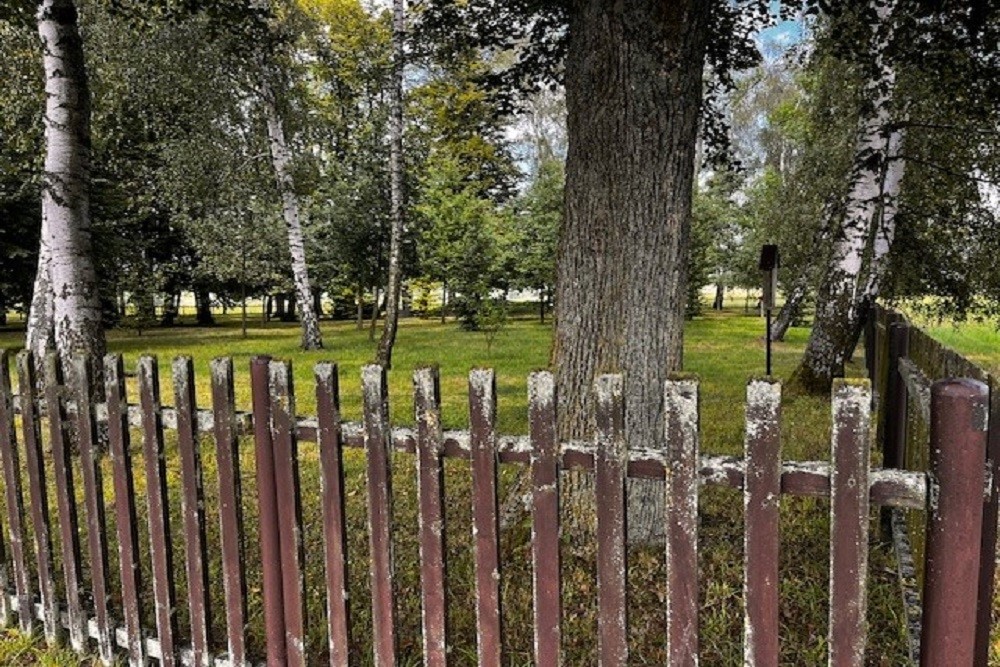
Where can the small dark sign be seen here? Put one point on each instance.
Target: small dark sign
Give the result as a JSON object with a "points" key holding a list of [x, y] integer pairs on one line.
{"points": [[769, 258]]}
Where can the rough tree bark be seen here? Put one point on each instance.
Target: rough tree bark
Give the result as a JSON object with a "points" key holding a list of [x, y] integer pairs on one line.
{"points": [[281, 161], [66, 285], [874, 186], [395, 282], [633, 88]]}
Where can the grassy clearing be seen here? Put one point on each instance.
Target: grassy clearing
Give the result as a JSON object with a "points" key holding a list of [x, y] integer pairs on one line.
{"points": [[723, 349]]}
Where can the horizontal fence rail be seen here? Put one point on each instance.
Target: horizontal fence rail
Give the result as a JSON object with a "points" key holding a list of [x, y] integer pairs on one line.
{"points": [[156, 579]]}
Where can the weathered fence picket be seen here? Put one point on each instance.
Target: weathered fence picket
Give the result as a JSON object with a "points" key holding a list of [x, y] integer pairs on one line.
{"points": [[958, 414], [193, 511], [160, 543], [328, 437], [611, 461], [267, 507], [430, 508], [227, 460], [289, 499], [849, 504], [14, 496], [379, 481], [93, 493], [39, 495], [485, 517], [681, 420], [761, 504], [126, 519], [547, 582]]}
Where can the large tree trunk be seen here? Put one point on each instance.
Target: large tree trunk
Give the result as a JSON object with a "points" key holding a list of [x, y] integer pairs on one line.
{"points": [[791, 308], [395, 283], [281, 161], [633, 88], [203, 307], [66, 246], [872, 194]]}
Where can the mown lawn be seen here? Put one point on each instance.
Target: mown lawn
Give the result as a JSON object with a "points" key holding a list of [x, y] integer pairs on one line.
{"points": [[723, 349]]}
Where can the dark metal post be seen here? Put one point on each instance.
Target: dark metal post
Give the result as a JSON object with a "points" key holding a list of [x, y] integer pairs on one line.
{"points": [[959, 416], [767, 339]]}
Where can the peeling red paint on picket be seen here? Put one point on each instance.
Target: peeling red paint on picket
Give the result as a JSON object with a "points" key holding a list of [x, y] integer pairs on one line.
{"points": [[547, 581], [160, 542], [609, 483], [227, 461], [681, 437], [485, 517], [430, 503], [762, 537], [14, 496], [93, 493], [126, 519], [379, 487], [334, 518]]}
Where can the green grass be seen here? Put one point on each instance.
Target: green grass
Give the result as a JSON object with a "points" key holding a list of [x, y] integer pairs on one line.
{"points": [[723, 349]]}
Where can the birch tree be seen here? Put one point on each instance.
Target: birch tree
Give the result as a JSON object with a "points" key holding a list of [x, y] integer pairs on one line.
{"points": [[869, 209], [67, 302], [395, 282], [281, 160]]}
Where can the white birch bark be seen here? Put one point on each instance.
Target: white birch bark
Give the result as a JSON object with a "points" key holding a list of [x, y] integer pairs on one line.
{"points": [[843, 290], [66, 259], [281, 161], [41, 326], [395, 278]]}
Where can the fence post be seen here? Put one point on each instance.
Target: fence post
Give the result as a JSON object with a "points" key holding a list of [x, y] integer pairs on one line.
{"points": [[959, 416], [894, 406], [894, 403]]}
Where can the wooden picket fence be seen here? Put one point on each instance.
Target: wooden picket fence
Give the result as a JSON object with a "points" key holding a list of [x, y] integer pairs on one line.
{"points": [[82, 603], [904, 362]]}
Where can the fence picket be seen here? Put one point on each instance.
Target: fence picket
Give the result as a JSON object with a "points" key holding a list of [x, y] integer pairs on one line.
{"points": [[849, 505], [289, 497], [227, 458], [267, 505], [126, 520], [14, 497], [547, 581], [160, 541], [761, 502], [430, 499], [486, 528], [62, 472], [611, 461], [379, 491], [681, 425], [93, 493], [38, 493], [193, 511], [334, 516]]}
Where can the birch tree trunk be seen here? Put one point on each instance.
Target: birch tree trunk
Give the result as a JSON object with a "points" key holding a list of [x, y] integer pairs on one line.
{"points": [[395, 282], [281, 161], [66, 266], [41, 334], [633, 88], [839, 303]]}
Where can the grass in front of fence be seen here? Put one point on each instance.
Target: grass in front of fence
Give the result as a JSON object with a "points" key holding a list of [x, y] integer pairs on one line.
{"points": [[724, 349]]}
